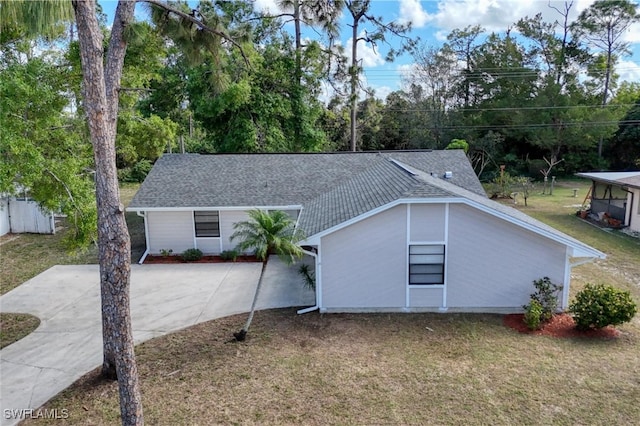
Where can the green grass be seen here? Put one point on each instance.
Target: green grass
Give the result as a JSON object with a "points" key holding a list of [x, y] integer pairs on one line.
{"points": [[30, 254], [392, 368], [372, 369]]}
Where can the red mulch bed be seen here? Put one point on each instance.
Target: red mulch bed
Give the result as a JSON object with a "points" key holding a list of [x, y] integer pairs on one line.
{"points": [[205, 259], [561, 325]]}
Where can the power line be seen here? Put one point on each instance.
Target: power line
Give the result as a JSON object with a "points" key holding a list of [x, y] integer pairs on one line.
{"points": [[511, 108], [573, 124]]}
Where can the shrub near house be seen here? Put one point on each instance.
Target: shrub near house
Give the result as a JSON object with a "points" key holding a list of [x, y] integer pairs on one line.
{"points": [[599, 305]]}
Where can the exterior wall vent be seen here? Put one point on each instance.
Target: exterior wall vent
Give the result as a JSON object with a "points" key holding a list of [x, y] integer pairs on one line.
{"points": [[448, 175]]}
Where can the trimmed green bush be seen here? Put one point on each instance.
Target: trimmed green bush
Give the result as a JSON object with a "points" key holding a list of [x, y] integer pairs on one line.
{"points": [[191, 255], [231, 255], [600, 305], [533, 314]]}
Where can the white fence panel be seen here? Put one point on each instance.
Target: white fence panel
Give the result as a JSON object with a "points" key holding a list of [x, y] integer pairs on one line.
{"points": [[26, 216]]}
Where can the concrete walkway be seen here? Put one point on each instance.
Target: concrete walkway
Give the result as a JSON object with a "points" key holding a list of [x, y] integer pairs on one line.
{"points": [[164, 298]]}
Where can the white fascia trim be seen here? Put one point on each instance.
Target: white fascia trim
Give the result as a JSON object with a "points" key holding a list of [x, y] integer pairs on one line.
{"points": [[191, 209], [298, 218], [582, 261], [567, 279]]}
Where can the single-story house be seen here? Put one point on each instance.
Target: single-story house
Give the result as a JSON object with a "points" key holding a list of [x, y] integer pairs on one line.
{"points": [[389, 231], [616, 194]]}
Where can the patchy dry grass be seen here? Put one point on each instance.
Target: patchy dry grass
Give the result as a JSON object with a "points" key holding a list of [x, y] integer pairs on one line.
{"points": [[24, 256], [372, 369], [14, 327], [31, 254], [391, 368]]}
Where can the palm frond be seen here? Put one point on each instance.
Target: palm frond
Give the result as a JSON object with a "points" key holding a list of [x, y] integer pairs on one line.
{"points": [[38, 18], [268, 233]]}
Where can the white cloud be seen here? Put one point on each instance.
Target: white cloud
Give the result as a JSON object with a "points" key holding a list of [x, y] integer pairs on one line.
{"points": [[266, 6], [498, 15], [628, 70], [381, 92], [368, 56], [412, 11], [633, 34]]}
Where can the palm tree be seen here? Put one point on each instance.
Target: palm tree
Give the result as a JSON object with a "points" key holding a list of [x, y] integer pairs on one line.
{"points": [[266, 232]]}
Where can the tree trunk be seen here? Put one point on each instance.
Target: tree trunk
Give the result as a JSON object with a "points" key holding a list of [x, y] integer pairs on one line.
{"points": [[245, 329], [114, 250], [297, 90], [605, 95], [354, 84]]}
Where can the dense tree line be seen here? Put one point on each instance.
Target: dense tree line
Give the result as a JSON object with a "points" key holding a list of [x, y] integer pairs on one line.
{"points": [[539, 92]]}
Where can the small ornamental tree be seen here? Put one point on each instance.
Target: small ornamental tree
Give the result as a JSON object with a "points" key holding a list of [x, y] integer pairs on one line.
{"points": [[543, 303], [600, 305]]}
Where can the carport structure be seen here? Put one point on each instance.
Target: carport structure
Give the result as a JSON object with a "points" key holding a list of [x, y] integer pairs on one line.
{"points": [[617, 195]]}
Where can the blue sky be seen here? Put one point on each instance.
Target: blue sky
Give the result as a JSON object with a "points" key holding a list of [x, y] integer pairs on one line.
{"points": [[433, 20]]}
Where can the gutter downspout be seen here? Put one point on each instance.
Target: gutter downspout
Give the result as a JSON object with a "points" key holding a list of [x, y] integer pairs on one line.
{"points": [[317, 305], [146, 237], [568, 268]]}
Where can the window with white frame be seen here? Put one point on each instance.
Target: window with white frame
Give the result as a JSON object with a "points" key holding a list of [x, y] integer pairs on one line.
{"points": [[426, 264], [207, 223]]}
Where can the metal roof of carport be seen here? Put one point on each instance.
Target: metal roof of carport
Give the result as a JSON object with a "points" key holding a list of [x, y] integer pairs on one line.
{"points": [[619, 178]]}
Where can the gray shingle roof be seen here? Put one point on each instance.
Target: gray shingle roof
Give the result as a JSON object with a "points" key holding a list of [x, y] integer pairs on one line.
{"points": [[248, 180], [331, 187], [380, 184]]}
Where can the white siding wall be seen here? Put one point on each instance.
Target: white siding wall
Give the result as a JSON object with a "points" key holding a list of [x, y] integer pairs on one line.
{"points": [[427, 222], [227, 220], [208, 245], [425, 297], [364, 265], [492, 264], [170, 230], [175, 230]]}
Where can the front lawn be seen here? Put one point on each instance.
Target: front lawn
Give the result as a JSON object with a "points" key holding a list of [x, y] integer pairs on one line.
{"points": [[392, 368]]}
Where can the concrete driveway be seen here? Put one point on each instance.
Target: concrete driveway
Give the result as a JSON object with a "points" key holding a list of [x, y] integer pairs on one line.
{"points": [[164, 298]]}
